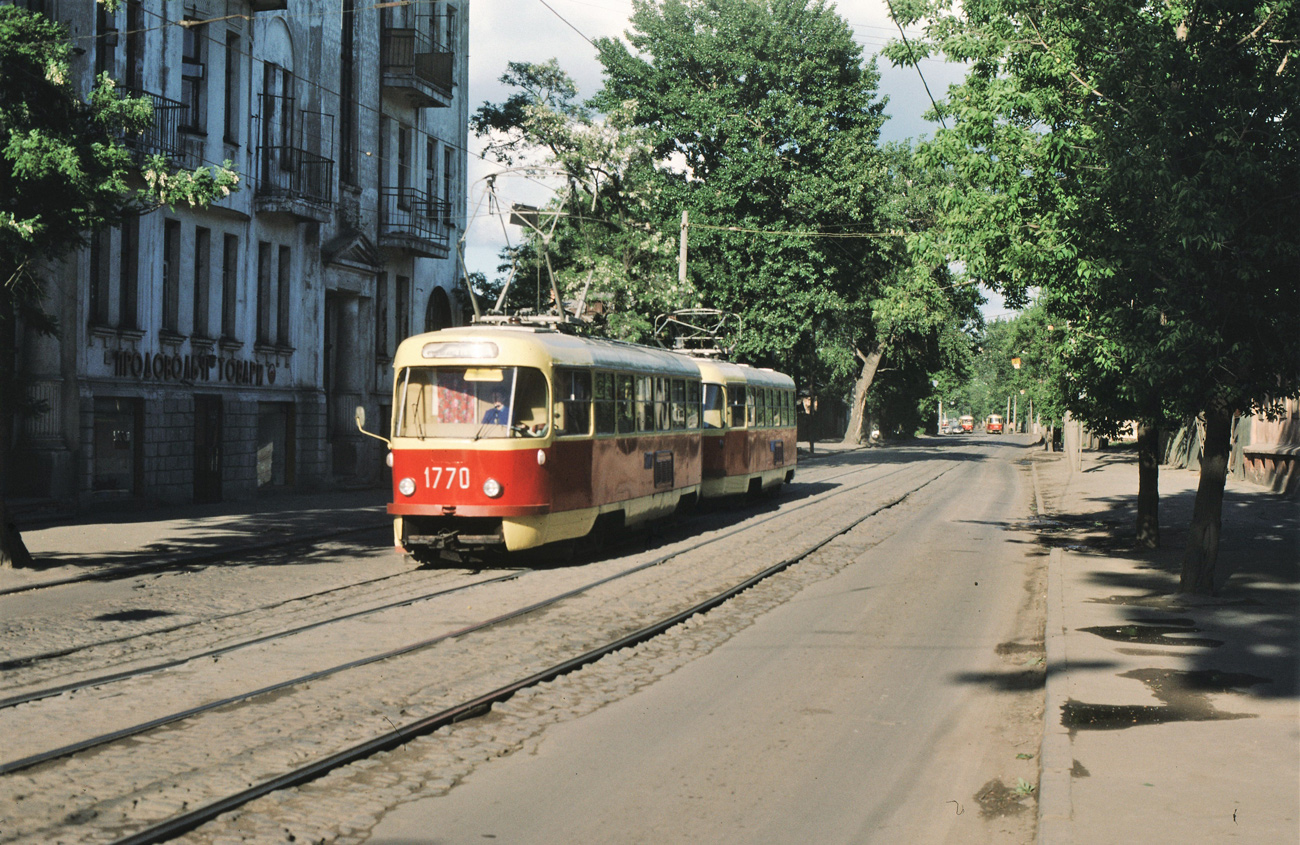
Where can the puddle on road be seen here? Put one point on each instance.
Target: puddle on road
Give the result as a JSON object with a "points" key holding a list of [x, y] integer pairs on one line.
{"points": [[1185, 696], [1155, 634]]}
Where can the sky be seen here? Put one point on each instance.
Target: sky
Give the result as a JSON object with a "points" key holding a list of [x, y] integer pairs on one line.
{"points": [[502, 31]]}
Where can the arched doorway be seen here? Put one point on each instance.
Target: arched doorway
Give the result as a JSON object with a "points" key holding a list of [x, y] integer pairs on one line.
{"points": [[437, 315]]}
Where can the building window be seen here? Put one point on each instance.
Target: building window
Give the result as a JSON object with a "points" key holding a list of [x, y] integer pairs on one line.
{"points": [[347, 97], [135, 28], [129, 275], [229, 281], [381, 315], [116, 455], [430, 173], [404, 168], [171, 270], [402, 313], [101, 274], [232, 103], [275, 421], [202, 280], [265, 255], [105, 40], [194, 40], [282, 281], [448, 181], [277, 116], [449, 29]]}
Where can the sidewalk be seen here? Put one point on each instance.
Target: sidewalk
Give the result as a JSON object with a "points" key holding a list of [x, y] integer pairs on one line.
{"points": [[101, 544], [1168, 719]]}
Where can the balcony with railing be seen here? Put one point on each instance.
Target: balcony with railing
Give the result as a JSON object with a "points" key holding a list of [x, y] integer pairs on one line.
{"points": [[414, 65], [412, 220], [163, 135], [292, 178]]}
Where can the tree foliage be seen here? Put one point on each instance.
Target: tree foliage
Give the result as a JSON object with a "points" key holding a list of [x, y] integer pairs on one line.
{"points": [[770, 118], [1139, 164], [607, 231]]}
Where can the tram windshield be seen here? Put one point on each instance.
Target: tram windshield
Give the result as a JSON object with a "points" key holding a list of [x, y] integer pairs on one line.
{"points": [[471, 402]]}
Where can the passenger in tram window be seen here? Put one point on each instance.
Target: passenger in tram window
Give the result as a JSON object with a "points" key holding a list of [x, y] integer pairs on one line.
{"points": [[498, 414]]}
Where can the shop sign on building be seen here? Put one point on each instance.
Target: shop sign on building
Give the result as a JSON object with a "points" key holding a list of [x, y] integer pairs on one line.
{"points": [[163, 366]]}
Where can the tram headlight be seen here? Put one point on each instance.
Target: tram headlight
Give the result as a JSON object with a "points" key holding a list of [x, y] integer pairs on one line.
{"points": [[492, 488], [389, 460], [406, 486]]}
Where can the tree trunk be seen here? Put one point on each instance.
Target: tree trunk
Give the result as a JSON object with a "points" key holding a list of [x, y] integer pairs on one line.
{"points": [[12, 551], [1202, 553], [1148, 510], [857, 433]]}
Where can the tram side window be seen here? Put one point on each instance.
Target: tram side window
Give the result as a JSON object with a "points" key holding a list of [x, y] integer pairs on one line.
{"points": [[751, 407], [645, 406], [626, 397], [692, 404], [573, 410], [737, 406], [789, 408], [661, 403], [677, 403], [715, 406], [604, 393], [531, 408], [769, 407]]}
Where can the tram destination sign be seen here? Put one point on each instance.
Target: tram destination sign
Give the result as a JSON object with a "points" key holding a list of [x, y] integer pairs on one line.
{"points": [[174, 367]]}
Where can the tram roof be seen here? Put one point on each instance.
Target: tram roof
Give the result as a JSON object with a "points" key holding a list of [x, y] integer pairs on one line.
{"points": [[729, 373], [533, 346]]}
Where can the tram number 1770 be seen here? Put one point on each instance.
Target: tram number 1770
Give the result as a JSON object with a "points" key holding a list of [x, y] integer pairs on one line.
{"points": [[446, 478]]}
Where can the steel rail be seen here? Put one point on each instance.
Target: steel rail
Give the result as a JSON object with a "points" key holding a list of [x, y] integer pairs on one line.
{"points": [[102, 680], [27, 660], [143, 727], [180, 824]]}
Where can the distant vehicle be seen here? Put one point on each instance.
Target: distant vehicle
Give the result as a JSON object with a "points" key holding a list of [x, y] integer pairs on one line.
{"points": [[994, 424], [967, 423]]}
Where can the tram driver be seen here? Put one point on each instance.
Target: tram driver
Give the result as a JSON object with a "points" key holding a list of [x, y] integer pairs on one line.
{"points": [[498, 414]]}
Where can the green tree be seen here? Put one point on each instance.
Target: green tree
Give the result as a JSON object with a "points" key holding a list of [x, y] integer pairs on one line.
{"points": [[607, 231], [64, 171], [1139, 163], [770, 119]]}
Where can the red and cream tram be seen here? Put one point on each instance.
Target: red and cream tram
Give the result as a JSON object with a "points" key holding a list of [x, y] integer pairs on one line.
{"points": [[512, 437]]}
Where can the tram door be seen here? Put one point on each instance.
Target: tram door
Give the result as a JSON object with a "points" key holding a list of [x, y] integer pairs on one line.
{"points": [[207, 448]]}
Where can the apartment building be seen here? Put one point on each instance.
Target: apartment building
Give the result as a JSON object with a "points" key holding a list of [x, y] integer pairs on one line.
{"points": [[220, 353]]}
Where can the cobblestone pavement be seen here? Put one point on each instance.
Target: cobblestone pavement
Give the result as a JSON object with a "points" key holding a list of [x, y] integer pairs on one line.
{"points": [[346, 804], [97, 797]]}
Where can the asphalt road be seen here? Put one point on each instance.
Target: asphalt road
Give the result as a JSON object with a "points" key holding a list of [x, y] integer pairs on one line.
{"points": [[876, 706]]}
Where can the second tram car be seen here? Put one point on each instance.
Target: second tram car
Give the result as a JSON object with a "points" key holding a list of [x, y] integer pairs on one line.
{"points": [[512, 437]]}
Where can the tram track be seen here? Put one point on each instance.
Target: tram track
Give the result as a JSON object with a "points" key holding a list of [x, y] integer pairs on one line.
{"points": [[396, 732], [152, 642], [482, 703], [101, 680]]}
